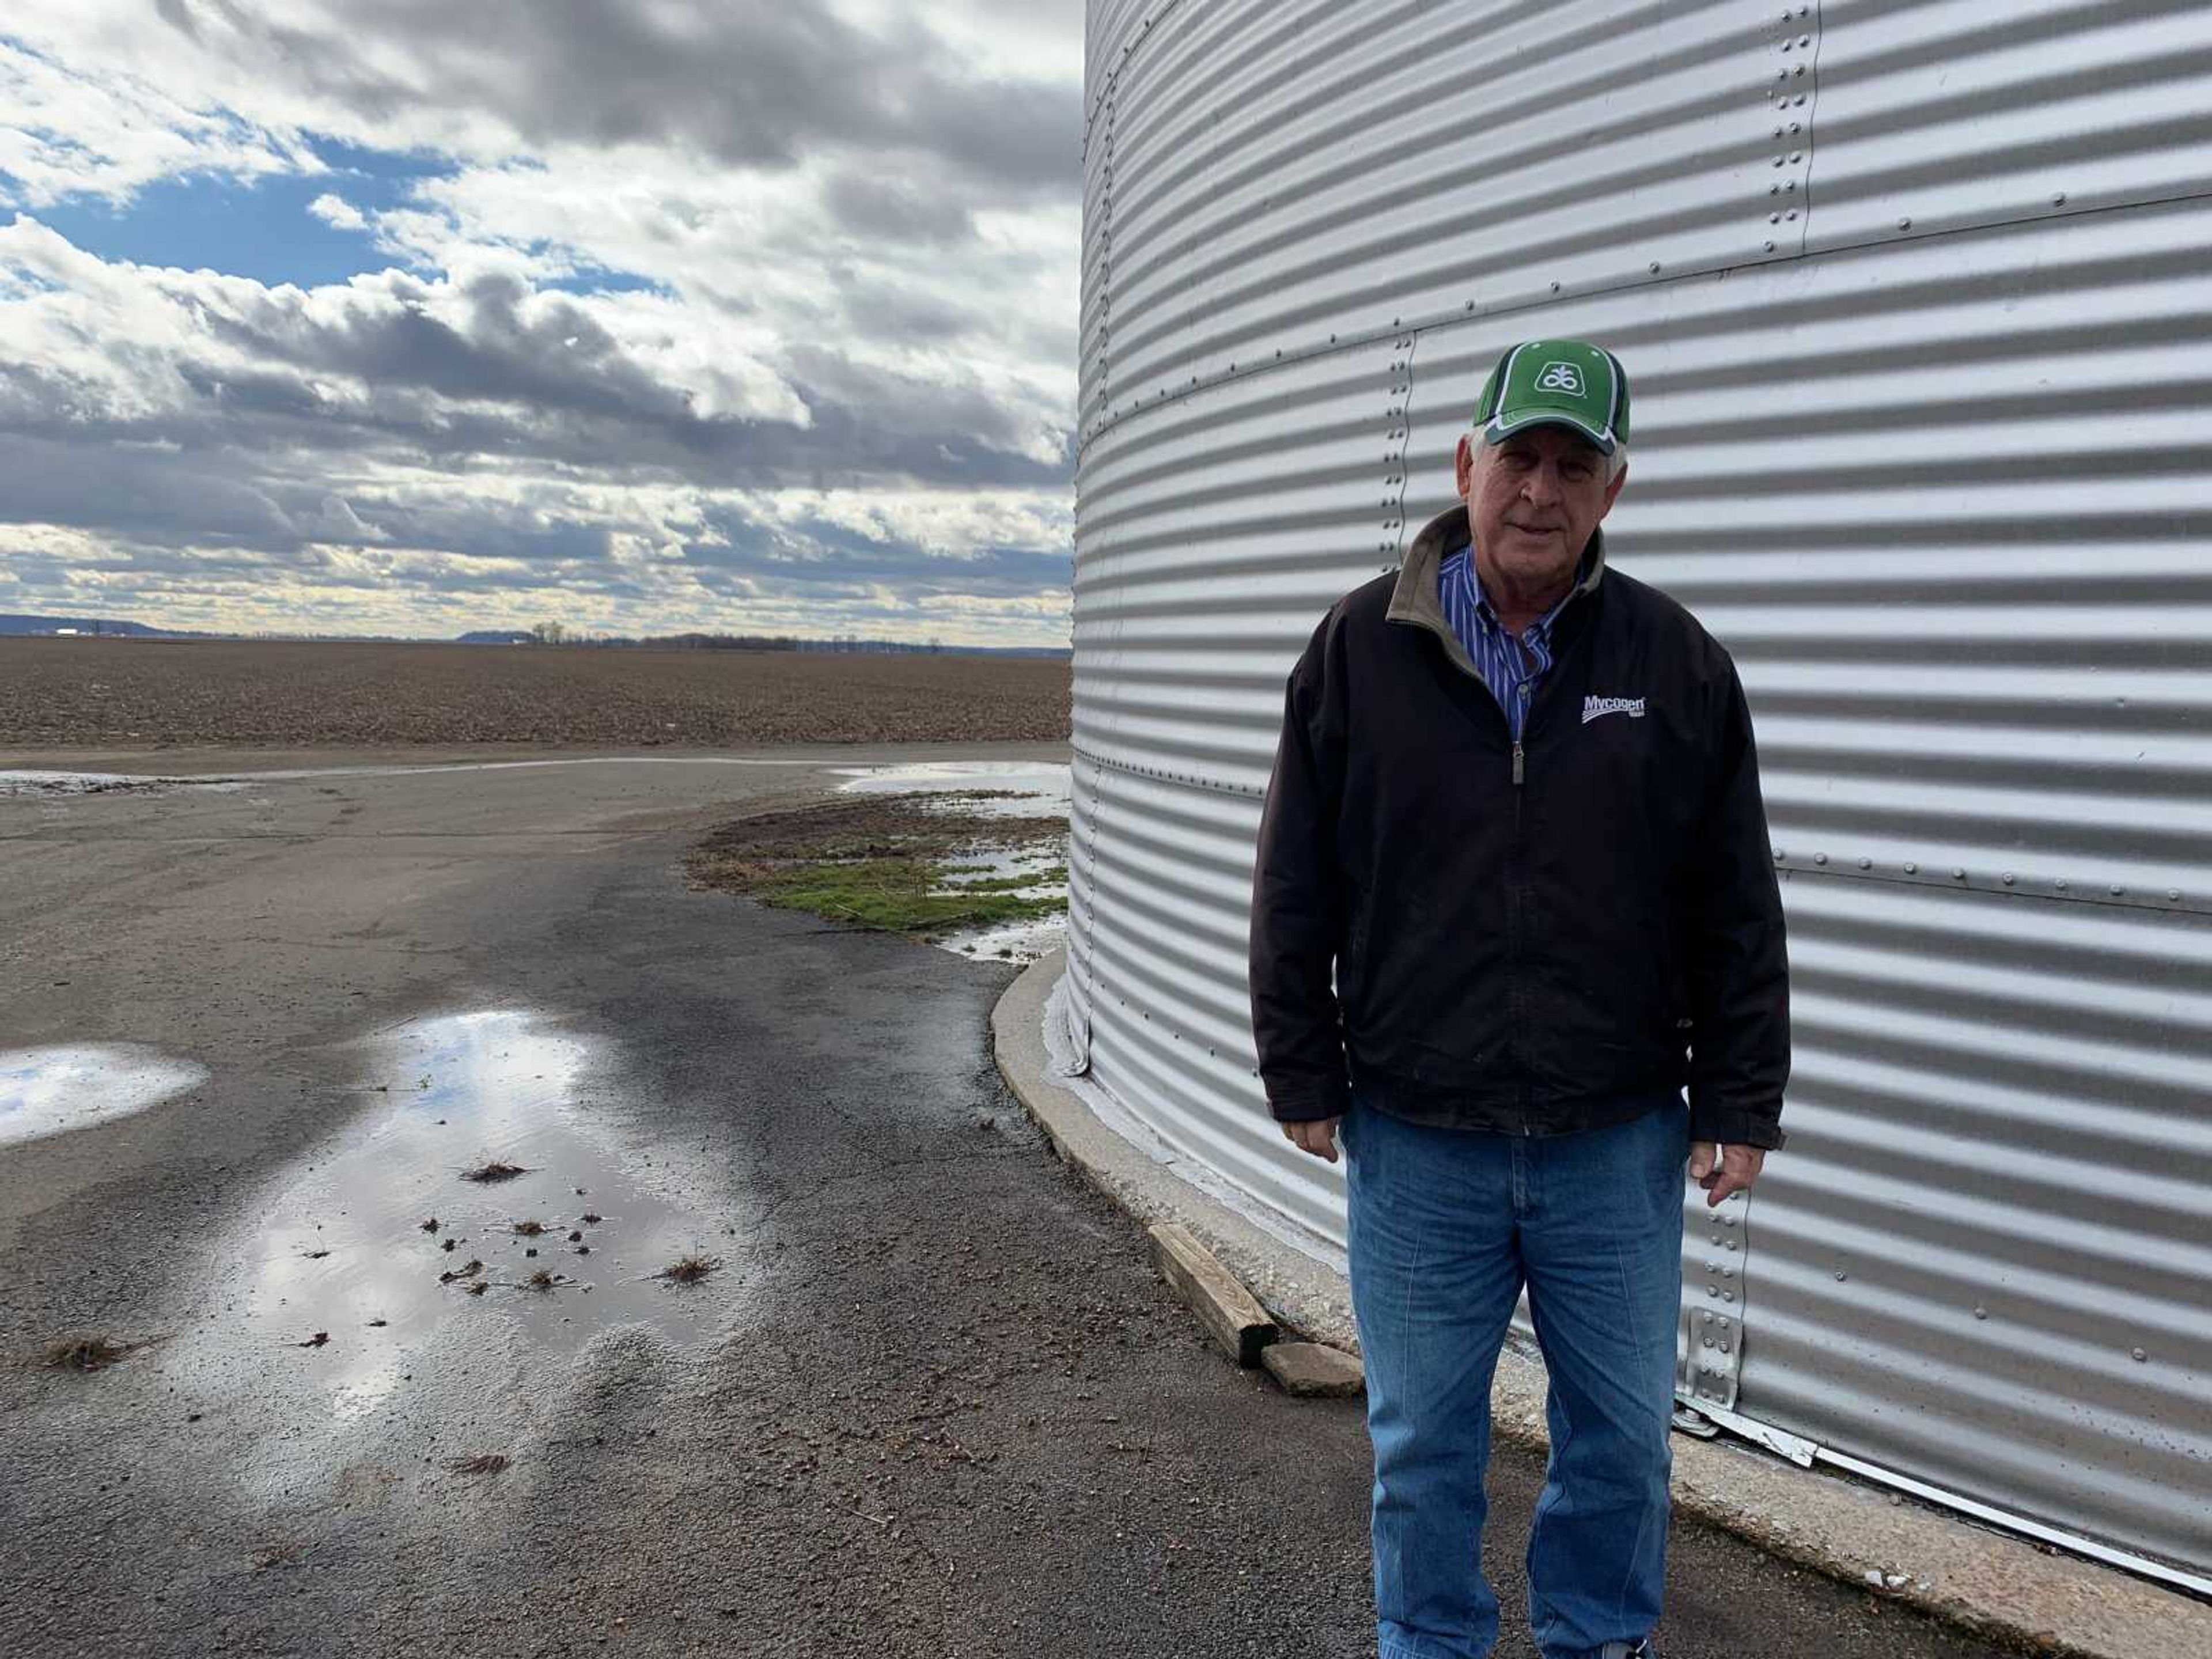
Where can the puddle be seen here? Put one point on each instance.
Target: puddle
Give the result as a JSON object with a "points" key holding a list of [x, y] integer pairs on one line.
{"points": [[344, 1248], [50, 1092], [1019, 789]]}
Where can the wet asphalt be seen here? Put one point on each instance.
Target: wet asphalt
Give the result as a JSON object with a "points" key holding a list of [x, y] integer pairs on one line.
{"points": [[931, 1402]]}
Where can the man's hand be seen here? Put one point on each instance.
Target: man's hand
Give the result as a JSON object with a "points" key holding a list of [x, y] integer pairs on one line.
{"points": [[1739, 1167], [1315, 1135]]}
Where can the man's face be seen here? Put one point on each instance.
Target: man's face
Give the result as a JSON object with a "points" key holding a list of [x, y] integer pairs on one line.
{"points": [[1532, 500]]}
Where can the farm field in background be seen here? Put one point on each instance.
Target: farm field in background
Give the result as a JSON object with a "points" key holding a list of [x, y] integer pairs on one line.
{"points": [[74, 693]]}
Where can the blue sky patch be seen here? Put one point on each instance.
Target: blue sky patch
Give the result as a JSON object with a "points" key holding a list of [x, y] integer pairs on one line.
{"points": [[257, 228]]}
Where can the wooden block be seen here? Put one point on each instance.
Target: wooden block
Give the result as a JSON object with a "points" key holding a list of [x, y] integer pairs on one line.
{"points": [[1312, 1372], [1239, 1326]]}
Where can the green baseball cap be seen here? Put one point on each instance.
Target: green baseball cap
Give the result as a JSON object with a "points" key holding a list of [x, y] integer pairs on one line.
{"points": [[1567, 383]]}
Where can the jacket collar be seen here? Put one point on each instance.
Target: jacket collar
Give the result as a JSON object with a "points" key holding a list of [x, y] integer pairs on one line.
{"points": [[1415, 600]]}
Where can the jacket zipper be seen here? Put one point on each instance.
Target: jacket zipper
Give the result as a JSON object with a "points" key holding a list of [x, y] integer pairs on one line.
{"points": [[1513, 942]]}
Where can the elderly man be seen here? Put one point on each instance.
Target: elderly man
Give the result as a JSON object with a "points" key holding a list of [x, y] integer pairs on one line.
{"points": [[1514, 894]]}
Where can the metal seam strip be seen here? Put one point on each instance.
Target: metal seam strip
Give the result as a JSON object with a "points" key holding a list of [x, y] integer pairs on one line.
{"points": [[1219, 785]]}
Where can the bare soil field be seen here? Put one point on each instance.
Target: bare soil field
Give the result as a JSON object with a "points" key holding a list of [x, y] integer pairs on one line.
{"points": [[80, 693]]}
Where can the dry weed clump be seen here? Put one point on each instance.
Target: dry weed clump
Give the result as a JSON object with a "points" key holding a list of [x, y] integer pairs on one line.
{"points": [[85, 1352], [690, 1269]]}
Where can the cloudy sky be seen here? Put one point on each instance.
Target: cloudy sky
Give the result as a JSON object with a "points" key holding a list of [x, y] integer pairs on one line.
{"points": [[419, 315]]}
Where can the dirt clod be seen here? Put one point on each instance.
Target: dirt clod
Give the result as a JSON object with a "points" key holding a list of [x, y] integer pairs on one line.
{"points": [[529, 1228], [480, 1463], [485, 1174]]}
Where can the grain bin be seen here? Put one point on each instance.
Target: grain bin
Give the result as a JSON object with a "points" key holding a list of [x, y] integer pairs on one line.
{"points": [[1916, 299]]}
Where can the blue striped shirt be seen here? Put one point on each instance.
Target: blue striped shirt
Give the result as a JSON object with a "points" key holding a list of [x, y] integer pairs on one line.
{"points": [[1513, 671]]}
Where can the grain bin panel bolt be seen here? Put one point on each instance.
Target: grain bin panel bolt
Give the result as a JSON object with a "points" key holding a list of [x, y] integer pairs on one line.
{"points": [[1866, 864], [1820, 858], [2139, 1354]]}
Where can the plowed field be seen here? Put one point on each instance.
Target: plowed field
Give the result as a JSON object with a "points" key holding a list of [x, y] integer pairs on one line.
{"points": [[84, 693]]}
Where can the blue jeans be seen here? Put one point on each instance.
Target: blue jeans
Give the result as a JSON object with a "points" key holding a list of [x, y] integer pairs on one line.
{"points": [[1447, 1226]]}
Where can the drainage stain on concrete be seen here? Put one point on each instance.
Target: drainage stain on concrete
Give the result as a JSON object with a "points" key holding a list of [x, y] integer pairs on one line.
{"points": [[380, 1240], [50, 1092]]}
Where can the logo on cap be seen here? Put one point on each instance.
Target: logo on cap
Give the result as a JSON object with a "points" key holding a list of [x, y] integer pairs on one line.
{"points": [[1560, 377]]}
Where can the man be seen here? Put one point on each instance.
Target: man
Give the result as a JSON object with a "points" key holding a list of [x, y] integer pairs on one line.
{"points": [[1514, 893]]}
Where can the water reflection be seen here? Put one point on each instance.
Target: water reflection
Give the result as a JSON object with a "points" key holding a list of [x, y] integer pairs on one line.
{"points": [[50, 1091], [347, 1246]]}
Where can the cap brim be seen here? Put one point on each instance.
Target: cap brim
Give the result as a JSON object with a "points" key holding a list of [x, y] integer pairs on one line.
{"points": [[1499, 431]]}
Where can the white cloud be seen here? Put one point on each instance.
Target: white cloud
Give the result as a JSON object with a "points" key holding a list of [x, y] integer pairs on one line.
{"points": [[336, 211], [841, 401]]}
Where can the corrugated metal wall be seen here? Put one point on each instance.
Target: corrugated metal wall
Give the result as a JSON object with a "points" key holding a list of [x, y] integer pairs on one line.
{"points": [[1915, 298]]}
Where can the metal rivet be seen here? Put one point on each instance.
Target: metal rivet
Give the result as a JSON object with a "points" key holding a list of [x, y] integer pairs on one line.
{"points": [[1779, 855], [1904, 224], [1712, 1290], [1707, 1317], [1555, 288], [2007, 878], [1724, 1346], [1770, 248], [1957, 874], [1777, 161], [1820, 858], [1797, 126], [1866, 864], [1655, 267], [1981, 1313], [1728, 1296], [1800, 70], [1773, 218], [1804, 40], [1840, 1276], [2060, 884], [1801, 100], [1705, 1341], [2059, 200], [1792, 214], [2173, 893], [2118, 890], [2140, 1354], [1796, 156]]}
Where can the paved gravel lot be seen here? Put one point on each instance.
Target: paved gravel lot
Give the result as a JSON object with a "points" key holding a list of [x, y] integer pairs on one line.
{"points": [[933, 1402], [78, 692]]}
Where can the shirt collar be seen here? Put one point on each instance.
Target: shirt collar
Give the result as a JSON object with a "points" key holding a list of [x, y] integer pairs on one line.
{"points": [[1542, 626]]}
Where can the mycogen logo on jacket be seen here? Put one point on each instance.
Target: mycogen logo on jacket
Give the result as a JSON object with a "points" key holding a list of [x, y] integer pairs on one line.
{"points": [[1593, 707]]}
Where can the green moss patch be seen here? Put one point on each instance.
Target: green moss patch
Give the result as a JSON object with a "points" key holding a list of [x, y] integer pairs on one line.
{"points": [[903, 864]]}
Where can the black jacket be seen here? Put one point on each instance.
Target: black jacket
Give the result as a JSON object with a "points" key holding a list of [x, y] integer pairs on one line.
{"points": [[1533, 941]]}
